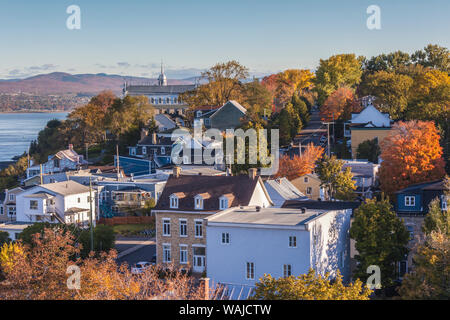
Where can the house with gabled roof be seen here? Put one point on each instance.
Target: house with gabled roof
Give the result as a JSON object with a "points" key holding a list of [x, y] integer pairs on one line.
{"points": [[368, 124], [61, 202], [184, 204], [62, 161], [226, 117]]}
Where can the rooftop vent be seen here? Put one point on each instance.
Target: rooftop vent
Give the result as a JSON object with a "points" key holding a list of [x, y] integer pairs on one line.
{"points": [[258, 208], [303, 210]]}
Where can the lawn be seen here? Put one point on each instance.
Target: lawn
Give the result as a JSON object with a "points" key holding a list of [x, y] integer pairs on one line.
{"points": [[132, 229]]}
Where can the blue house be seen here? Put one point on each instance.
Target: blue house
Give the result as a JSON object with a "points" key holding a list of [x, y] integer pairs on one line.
{"points": [[415, 199], [412, 206]]}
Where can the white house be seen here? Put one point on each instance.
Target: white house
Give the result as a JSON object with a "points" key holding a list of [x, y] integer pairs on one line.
{"points": [[243, 244], [63, 202], [59, 162]]}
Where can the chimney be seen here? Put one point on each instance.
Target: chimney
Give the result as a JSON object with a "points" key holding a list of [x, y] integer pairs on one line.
{"points": [[70, 146], [144, 133], [252, 172], [229, 173], [176, 171], [154, 138], [303, 210]]}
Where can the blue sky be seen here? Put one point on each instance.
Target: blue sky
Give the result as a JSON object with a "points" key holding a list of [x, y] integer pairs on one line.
{"points": [[130, 37]]}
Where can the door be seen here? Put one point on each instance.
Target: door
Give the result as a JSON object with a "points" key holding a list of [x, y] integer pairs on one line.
{"points": [[199, 259]]}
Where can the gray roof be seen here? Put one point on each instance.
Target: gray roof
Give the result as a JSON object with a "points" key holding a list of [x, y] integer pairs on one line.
{"points": [[155, 89], [43, 195], [66, 188], [285, 189], [266, 216]]}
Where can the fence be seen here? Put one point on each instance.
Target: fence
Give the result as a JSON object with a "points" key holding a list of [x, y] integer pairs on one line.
{"points": [[126, 220]]}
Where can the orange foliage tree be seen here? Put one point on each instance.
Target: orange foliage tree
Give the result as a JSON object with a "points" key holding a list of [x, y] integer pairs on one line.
{"points": [[340, 104], [40, 272], [411, 154], [299, 165]]}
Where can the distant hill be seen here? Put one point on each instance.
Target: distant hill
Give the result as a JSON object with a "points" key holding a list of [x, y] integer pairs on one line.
{"points": [[60, 83]]}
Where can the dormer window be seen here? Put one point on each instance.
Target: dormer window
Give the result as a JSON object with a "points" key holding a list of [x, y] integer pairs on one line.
{"points": [[173, 202], [198, 201], [223, 203]]}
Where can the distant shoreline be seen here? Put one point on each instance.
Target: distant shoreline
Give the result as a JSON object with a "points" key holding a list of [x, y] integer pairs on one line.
{"points": [[37, 111]]}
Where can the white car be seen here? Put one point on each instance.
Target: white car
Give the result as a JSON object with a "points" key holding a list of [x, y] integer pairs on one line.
{"points": [[140, 267]]}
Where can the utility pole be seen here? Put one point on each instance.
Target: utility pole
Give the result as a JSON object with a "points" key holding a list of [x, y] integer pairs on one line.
{"points": [[117, 161], [87, 155], [91, 214], [40, 173], [300, 148], [328, 138]]}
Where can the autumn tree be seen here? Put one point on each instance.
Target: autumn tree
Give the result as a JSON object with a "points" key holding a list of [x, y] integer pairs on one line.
{"points": [[89, 122], [104, 100], [340, 104], [411, 154], [299, 165], [224, 83], [438, 218], [257, 98], [39, 271], [381, 239], [335, 72], [310, 286], [429, 279], [337, 182], [369, 150]]}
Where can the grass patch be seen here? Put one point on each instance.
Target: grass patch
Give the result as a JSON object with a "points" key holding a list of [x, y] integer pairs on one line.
{"points": [[127, 230]]}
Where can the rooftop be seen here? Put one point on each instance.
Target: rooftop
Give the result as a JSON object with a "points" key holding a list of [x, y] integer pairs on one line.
{"points": [[266, 216], [321, 205], [66, 188]]}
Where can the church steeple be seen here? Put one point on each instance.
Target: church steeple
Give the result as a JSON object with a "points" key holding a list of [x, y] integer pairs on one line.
{"points": [[162, 79]]}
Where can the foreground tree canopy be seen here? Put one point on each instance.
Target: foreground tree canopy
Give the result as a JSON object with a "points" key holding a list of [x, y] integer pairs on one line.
{"points": [[310, 286]]}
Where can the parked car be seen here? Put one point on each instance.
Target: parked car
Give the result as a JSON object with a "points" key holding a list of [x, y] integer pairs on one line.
{"points": [[140, 267]]}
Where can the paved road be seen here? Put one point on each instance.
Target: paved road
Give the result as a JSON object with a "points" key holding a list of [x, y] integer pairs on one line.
{"points": [[132, 251]]}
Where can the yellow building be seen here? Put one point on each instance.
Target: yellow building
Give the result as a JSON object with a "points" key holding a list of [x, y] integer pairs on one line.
{"points": [[367, 125], [309, 185]]}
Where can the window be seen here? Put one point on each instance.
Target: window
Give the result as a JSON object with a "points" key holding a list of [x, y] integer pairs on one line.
{"points": [[199, 229], [250, 274], [306, 179], [225, 238], [402, 268], [1, 210], [444, 202], [11, 197], [167, 100], [198, 202], [33, 204], [166, 227], [183, 254], [173, 202], [287, 270], [183, 228], [56, 163], [223, 203], [410, 201], [175, 100], [309, 190], [153, 100], [163, 150], [79, 200], [410, 229], [199, 114], [12, 211], [144, 150], [167, 257], [292, 242]]}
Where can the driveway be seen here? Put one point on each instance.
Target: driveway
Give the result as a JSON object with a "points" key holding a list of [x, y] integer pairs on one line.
{"points": [[133, 250]]}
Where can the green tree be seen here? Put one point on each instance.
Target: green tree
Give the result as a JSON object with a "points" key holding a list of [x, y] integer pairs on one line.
{"points": [[337, 182], [301, 108], [335, 72], [387, 62], [4, 238], [310, 286], [391, 91], [257, 98], [369, 150], [433, 56], [104, 239], [381, 239]]}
